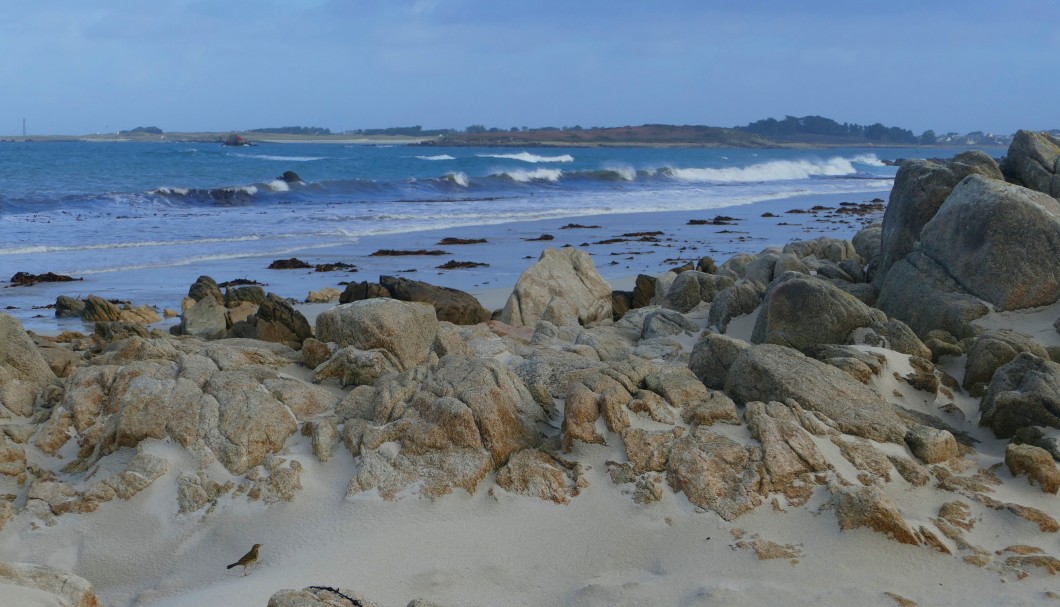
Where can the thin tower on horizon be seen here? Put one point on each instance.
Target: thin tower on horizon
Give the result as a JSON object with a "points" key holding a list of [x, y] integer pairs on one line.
{"points": [[23, 127]]}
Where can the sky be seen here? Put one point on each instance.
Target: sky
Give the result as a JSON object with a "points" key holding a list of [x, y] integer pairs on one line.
{"points": [[76, 67]]}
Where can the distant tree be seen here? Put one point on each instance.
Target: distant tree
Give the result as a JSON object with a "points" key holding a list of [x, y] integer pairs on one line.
{"points": [[514, 129], [150, 130], [928, 137], [294, 130], [475, 128]]}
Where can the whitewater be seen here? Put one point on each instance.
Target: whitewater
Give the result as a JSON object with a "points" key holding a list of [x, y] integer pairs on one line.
{"points": [[139, 219]]}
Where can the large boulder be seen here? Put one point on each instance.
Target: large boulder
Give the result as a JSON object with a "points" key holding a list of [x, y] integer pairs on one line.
{"points": [[867, 242], [1025, 392], [563, 287], [23, 371], [920, 293], [999, 241], [451, 305], [203, 287], [1034, 462], [205, 319], [357, 291], [277, 321], [920, 188], [994, 349], [405, 329], [712, 356], [799, 311], [769, 372], [99, 309], [741, 298], [691, 288], [1033, 161]]}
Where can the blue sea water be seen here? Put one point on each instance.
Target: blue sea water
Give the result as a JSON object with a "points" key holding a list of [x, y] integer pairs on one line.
{"points": [[103, 209]]}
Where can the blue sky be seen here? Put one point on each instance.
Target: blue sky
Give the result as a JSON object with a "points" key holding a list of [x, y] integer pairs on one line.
{"points": [[70, 66]]}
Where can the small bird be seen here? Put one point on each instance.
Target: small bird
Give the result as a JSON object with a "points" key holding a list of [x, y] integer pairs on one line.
{"points": [[248, 559]]}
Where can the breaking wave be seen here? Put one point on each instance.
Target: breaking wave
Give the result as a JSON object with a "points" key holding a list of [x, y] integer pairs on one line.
{"points": [[775, 170], [457, 178], [438, 157], [284, 158], [528, 157], [551, 175]]}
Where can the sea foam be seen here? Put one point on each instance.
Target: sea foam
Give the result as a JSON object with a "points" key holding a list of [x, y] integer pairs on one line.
{"points": [[438, 157], [528, 157], [775, 170], [552, 175]]}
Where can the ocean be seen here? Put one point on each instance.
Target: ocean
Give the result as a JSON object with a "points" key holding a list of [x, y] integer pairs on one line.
{"points": [[141, 220]]}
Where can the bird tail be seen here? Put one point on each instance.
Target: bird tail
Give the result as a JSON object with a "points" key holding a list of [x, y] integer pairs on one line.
{"points": [[232, 565]]}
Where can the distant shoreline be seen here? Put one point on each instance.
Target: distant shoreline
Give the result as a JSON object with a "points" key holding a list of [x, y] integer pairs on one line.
{"points": [[642, 137], [376, 140]]}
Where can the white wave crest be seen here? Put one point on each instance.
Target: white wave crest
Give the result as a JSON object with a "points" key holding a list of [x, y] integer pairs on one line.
{"points": [[284, 158], [552, 175], [775, 170], [627, 173], [458, 178], [164, 191], [438, 157], [870, 159], [528, 157], [278, 185]]}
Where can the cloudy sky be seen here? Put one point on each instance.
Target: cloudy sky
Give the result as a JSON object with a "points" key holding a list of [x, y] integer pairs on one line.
{"points": [[72, 67]]}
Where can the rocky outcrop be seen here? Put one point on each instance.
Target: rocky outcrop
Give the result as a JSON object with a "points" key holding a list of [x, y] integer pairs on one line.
{"points": [[871, 507], [799, 311], [1033, 161], [1035, 463], [23, 371], [534, 473], [452, 425], [319, 596], [276, 321], [974, 238], [450, 305], [1025, 392], [358, 291], [64, 589], [920, 293], [716, 473], [712, 356], [741, 298], [692, 288], [203, 287], [788, 450], [920, 188], [563, 287], [770, 372], [992, 350], [404, 329], [205, 319]]}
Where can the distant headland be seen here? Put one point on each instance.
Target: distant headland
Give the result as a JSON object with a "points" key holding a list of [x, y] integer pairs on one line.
{"points": [[791, 131]]}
